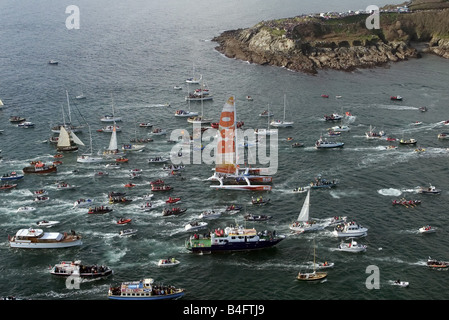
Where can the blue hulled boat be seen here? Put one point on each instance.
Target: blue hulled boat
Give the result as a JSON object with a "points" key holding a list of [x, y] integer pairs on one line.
{"points": [[144, 290]]}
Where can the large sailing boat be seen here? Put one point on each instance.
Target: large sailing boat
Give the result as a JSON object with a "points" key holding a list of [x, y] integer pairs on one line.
{"points": [[68, 126], [64, 141], [303, 223], [226, 169], [89, 157]]}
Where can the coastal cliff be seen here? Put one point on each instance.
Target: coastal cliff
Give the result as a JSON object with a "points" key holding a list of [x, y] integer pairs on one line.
{"points": [[340, 42]]}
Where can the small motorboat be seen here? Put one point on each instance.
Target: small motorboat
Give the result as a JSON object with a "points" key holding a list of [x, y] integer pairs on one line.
{"points": [[170, 262], [443, 135], [53, 62], [46, 223], [127, 232], [41, 199], [7, 186], [147, 206], [195, 225], [430, 190], [396, 98], [423, 109], [26, 209], [352, 246], [113, 166], [324, 265], [124, 220], [324, 96], [437, 264], [427, 229], [161, 188], [145, 125], [259, 201], [173, 211], [121, 159], [408, 141], [261, 217], [65, 186], [129, 185], [99, 210], [297, 145], [101, 174], [399, 283], [173, 200], [210, 214], [300, 190], [249, 98], [82, 202], [40, 192], [233, 208], [350, 229], [11, 176], [26, 124], [157, 182]]}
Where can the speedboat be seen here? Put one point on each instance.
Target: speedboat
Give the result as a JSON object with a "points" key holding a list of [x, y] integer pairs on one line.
{"points": [[350, 229], [127, 232], [261, 217], [396, 98], [46, 223], [170, 262], [430, 190], [195, 225], [352, 246], [41, 199], [147, 206], [341, 128], [76, 268], [26, 209], [11, 176], [408, 141], [7, 186], [325, 144], [443, 135], [82, 202], [333, 117], [173, 200], [427, 229], [144, 290], [403, 284], [210, 214]]}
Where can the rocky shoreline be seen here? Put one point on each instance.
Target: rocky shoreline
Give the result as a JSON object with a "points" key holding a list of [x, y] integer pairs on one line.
{"points": [[309, 44]]}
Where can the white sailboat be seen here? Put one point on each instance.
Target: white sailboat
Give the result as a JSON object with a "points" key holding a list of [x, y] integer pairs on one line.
{"points": [[111, 118], [282, 123], [112, 150], [312, 276], [226, 158], [193, 79], [186, 113], [303, 224], [68, 126], [89, 157], [199, 119], [64, 143], [268, 131], [1, 103]]}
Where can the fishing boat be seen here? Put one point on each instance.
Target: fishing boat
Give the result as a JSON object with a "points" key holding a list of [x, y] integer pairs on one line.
{"points": [[173, 211], [195, 225], [259, 217], [127, 232], [427, 229], [352, 246], [26, 209], [144, 290], [46, 223], [312, 276], [78, 269], [303, 222], [226, 168], [38, 239], [429, 190], [282, 123], [40, 168], [437, 264], [325, 144], [99, 210], [350, 229], [232, 238], [371, 134], [82, 203], [124, 220], [166, 263]]}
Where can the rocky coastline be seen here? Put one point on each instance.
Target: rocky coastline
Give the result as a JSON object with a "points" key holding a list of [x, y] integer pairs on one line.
{"points": [[312, 43]]}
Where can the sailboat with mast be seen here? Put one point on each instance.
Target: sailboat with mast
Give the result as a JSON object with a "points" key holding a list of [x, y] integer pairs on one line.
{"points": [[111, 117], [65, 141], [67, 125], [227, 171], [268, 131], [282, 123], [303, 223], [112, 150], [89, 157], [193, 79], [312, 276], [186, 113]]}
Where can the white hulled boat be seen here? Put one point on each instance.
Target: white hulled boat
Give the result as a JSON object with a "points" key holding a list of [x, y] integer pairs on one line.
{"points": [[325, 144], [38, 239], [350, 229], [112, 149], [303, 224], [89, 157], [352, 246], [111, 117], [282, 123]]}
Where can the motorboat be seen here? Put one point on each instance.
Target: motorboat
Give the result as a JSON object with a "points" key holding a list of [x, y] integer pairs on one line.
{"points": [[166, 263], [158, 132], [127, 232], [147, 206], [53, 62], [300, 190], [157, 182], [161, 188], [297, 145], [350, 229], [429, 190], [325, 144], [65, 186], [76, 268], [340, 128], [260, 201], [333, 117], [38, 239], [144, 290], [443, 135], [233, 208], [352, 246], [16, 119], [132, 147], [26, 209], [408, 141], [371, 134], [46, 223], [40, 192], [195, 225], [110, 118], [185, 113], [145, 125], [158, 160], [323, 183], [426, 229], [41, 199], [173, 200], [437, 264], [210, 214], [8, 186], [396, 98], [11, 176], [99, 210], [173, 211], [124, 221], [399, 283], [119, 199], [266, 113], [260, 217], [101, 174], [110, 129]]}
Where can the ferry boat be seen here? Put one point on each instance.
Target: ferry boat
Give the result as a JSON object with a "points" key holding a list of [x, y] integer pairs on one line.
{"points": [[350, 229], [38, 239], [68, 268], [144, 290], [233, 239]]}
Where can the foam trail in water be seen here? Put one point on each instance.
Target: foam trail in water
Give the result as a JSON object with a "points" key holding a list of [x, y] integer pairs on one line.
{"points": [[390, 192]]}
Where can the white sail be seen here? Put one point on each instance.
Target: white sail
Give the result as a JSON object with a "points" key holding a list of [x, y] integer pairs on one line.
{"points": [[1, 103], [76, 139], [113, 141], [64, 138], [304, 214]]}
